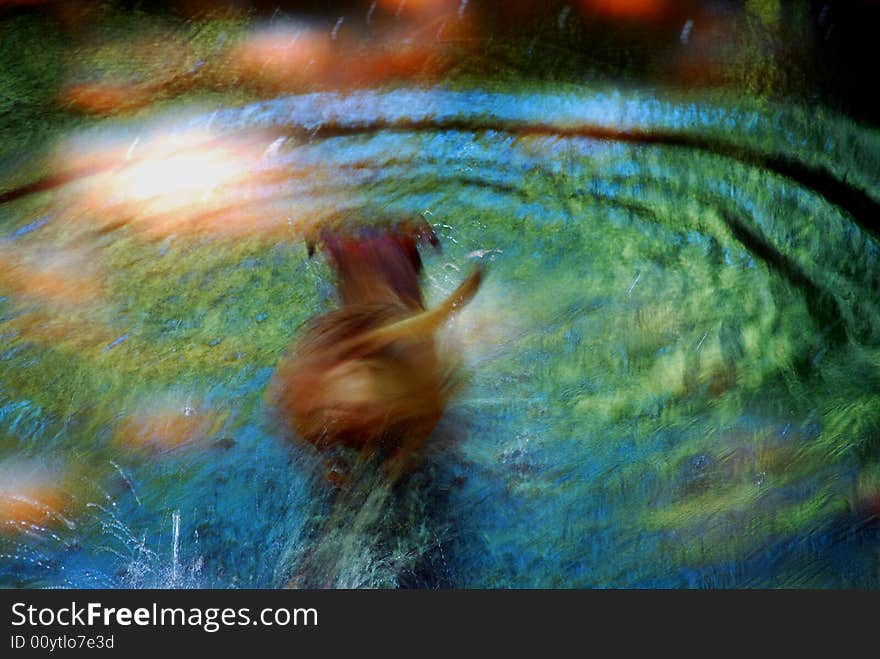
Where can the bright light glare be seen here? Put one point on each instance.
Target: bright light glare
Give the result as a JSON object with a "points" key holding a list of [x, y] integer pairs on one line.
{"points": [[180, 179], [178, 183]]}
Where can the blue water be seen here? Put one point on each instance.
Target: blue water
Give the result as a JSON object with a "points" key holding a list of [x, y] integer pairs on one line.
{"points": [[672, 370]]}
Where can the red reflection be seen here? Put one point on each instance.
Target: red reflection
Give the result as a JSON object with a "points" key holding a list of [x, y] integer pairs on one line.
{"points": [[628, 9], [417, 6]]}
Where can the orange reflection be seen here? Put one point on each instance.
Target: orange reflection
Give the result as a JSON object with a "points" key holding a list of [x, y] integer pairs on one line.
{"points": [[65, 278], [402, 40], [283, 57], [57, 330], [30, 495], [169, 423], [58, 294], [106, 97], [151, 68]]}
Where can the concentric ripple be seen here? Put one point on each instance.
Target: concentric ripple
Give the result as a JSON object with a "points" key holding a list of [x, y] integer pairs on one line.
{"points": [[673, 368]]}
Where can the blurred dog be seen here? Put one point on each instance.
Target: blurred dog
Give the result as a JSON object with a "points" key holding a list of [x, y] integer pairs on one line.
{"points": [[367, 376]]}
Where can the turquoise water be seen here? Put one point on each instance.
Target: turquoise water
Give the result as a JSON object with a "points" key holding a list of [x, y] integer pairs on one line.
{"points": [[672, 369]]}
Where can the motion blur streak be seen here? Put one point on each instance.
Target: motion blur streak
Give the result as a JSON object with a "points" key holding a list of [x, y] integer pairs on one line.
{"points": [[286, 57], [368, 376], [60, 278], [191, 183], [166, 423]]}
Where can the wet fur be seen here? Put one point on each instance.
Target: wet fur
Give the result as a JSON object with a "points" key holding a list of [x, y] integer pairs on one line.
{"points": [[367, 378]]}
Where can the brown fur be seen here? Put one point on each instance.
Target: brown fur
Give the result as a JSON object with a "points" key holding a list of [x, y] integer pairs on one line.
{"points": [[367, 376]]}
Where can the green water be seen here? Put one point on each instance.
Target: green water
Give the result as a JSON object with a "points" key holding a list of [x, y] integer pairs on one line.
{"points": [[673, 368]]}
